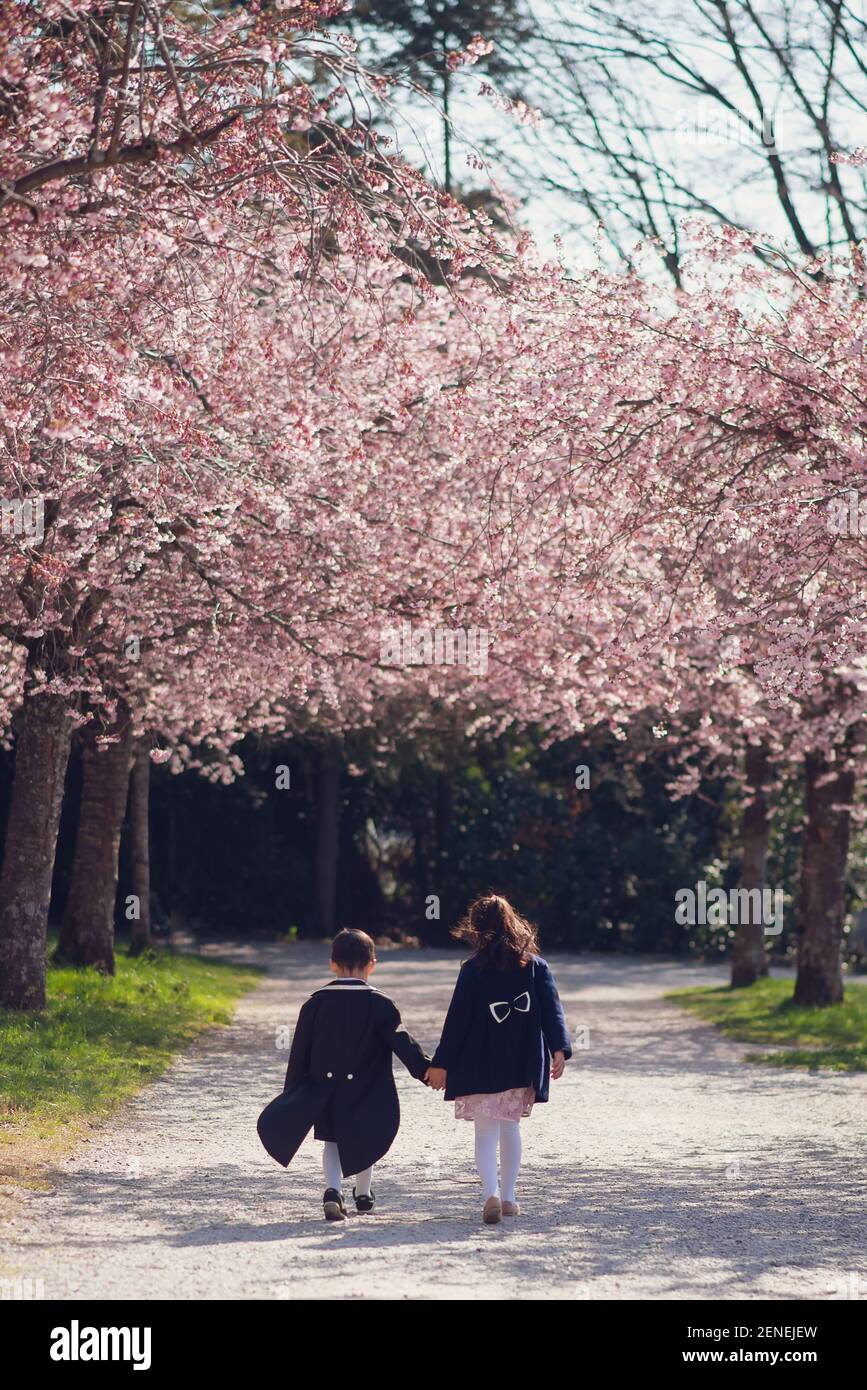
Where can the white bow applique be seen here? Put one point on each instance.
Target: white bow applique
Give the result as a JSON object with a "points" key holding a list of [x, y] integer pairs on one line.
{"points": [[503, 1008]]}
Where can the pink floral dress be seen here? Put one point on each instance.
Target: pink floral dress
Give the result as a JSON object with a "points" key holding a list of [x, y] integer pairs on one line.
{"points": [[496, 1105]]}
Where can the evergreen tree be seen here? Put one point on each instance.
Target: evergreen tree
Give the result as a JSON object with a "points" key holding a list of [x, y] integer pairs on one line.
{"points": [[426, 33]]}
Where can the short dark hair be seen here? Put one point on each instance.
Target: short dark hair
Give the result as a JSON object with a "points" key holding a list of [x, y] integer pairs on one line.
{"points": [[353, 949]]}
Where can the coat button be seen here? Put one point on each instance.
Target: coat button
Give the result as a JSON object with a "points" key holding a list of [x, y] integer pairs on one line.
{"points": [[349, 1076], [329, 1074]]}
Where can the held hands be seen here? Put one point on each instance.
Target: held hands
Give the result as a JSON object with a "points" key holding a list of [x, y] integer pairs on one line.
{"points": [[435, 1077]]}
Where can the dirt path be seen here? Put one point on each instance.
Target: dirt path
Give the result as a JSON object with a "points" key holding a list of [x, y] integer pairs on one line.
{"points": [[663, 1168]]}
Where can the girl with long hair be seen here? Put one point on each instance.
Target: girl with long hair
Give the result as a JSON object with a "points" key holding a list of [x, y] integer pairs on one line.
{"points": [[504, 1037]]}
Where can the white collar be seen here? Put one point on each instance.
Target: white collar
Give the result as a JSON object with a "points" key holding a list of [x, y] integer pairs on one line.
{"points": [[346, 982]]}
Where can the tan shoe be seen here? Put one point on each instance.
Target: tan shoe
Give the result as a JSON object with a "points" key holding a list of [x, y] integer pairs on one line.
{"points": [[511, 1209], [493, 1212]]}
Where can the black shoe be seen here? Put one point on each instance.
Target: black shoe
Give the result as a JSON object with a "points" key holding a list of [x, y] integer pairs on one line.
{"points": [[365, 1203], [333, 1205]]}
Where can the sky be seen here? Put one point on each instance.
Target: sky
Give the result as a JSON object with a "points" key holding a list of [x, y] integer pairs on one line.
{"points": [[723, 156]]}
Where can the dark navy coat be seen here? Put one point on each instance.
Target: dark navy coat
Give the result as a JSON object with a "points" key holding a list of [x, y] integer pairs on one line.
{"points": [[340, 1077], [500, 1030]]}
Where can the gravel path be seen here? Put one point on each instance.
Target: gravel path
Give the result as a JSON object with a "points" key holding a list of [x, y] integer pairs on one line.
{"points": [[663, 1167]]}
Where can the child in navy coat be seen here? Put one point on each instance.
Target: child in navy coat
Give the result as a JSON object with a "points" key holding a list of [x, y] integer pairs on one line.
{"points": [[503, 1037], [339, 1080]]}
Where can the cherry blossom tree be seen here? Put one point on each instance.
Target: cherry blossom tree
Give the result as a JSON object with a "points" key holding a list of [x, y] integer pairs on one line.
{"points": [[174, 196], [679, 472], [276, 396], [759, 547]]}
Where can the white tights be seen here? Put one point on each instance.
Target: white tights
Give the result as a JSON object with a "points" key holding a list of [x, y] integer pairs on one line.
{"points": [[334, 1174], [508, 1133]]}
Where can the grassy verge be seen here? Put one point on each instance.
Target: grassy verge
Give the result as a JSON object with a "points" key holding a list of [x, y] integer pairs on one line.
{"points": [[99, 1041], [834, 1038]]}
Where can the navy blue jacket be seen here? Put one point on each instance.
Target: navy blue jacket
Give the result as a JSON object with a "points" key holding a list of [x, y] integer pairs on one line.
{"points": [[500, 1030], [340, 1066]]}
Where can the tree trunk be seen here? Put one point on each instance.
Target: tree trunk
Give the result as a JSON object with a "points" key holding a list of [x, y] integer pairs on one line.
{"points": [[420, 874], [445, 78], [87, 933], [327, 839], [829, 786], [140, 786], [447, 129], [750, 961], [443, 824], [41, 757]]}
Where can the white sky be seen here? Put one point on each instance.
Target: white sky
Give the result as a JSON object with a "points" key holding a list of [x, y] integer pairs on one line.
{"points": [[695, 138]]}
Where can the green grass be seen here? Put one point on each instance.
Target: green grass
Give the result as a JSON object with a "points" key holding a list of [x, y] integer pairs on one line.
{"points": [[835, 1038], [98, 1042]]}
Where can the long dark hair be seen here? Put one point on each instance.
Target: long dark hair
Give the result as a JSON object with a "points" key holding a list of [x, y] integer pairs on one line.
{"points": [[500, 936]]}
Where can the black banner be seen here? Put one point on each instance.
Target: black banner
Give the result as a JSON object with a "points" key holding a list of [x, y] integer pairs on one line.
{"points": [[234, 1340]]}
